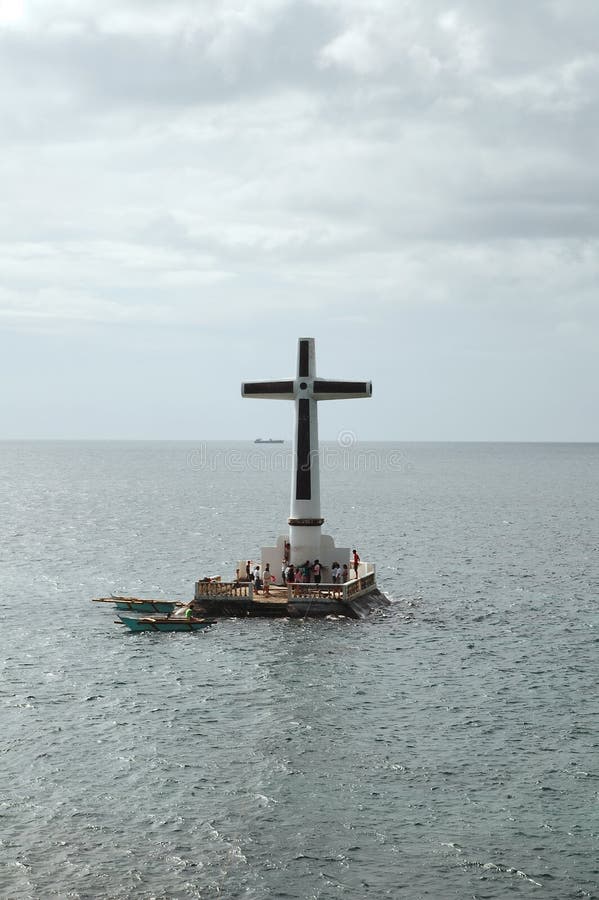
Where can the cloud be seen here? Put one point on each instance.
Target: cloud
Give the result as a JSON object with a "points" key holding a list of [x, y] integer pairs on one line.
{"points": [[192, 164], [405, 39], [11, 11]]}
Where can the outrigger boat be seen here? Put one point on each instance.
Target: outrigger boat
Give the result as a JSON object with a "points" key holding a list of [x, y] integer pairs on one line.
{"points": [[134, 604], [165, 623]]}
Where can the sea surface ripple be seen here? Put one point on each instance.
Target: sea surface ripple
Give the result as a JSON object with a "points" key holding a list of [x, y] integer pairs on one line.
{"points": [[444, 748]]}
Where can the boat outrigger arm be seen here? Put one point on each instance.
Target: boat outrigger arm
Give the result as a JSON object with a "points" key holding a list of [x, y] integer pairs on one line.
{"points": [[306, 390]]}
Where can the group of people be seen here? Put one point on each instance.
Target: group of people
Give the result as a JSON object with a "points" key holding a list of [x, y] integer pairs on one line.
{"points": [[340, 574], [292, 574], [296, 574], [261, 580]]}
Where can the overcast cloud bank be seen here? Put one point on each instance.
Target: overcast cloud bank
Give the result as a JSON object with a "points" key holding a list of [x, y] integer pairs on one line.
{"points": [[189, 186]]}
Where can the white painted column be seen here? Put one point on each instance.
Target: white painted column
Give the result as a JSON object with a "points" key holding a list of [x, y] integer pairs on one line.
{"points": [[305, 520], [306, 390]]}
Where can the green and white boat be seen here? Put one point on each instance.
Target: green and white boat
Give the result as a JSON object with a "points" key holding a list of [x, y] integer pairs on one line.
{"points": [[166, 623]]}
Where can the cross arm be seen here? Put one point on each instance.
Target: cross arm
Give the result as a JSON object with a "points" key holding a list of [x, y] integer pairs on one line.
{"points": [[325, 389], [268, 390]]}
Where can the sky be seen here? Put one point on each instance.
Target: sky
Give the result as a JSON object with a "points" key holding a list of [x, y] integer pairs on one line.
{"points": [[188, 186]]}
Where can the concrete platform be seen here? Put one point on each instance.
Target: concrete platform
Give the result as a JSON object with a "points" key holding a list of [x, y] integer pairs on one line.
{"points": [[354, 599]]}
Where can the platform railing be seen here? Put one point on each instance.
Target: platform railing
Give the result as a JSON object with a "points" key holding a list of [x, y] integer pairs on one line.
{"points": [[224, 588], [295, 591], [358, 586], [345, 591], [301, 591]]}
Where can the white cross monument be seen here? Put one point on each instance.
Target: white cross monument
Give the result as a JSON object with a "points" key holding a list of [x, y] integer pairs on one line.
{"points": [[305, 521]]}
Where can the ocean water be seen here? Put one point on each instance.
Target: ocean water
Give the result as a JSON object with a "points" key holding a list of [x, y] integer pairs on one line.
{"points": [[445, 748]]}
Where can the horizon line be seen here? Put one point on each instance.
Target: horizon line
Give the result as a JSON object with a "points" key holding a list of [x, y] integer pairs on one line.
{"points": [[289, 442]]}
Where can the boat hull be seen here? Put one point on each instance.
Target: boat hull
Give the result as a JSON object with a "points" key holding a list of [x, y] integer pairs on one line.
{"points": [[165, 607], [165, 623]]}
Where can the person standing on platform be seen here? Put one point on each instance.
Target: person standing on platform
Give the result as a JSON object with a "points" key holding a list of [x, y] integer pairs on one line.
{"points": [[355, 562], [267, 578], [248, 570], [316, 569], [256, 578], [306, 571], [344, 573], [283, 572]]}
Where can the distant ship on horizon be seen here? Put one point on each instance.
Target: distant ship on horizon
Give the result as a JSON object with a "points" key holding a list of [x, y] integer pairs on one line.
{"points": [[269, 441]]}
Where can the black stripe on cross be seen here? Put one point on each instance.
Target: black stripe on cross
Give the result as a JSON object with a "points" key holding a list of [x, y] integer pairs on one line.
{"points": [[303, 476], [322, 386], [268, 387], [304, 359]]}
